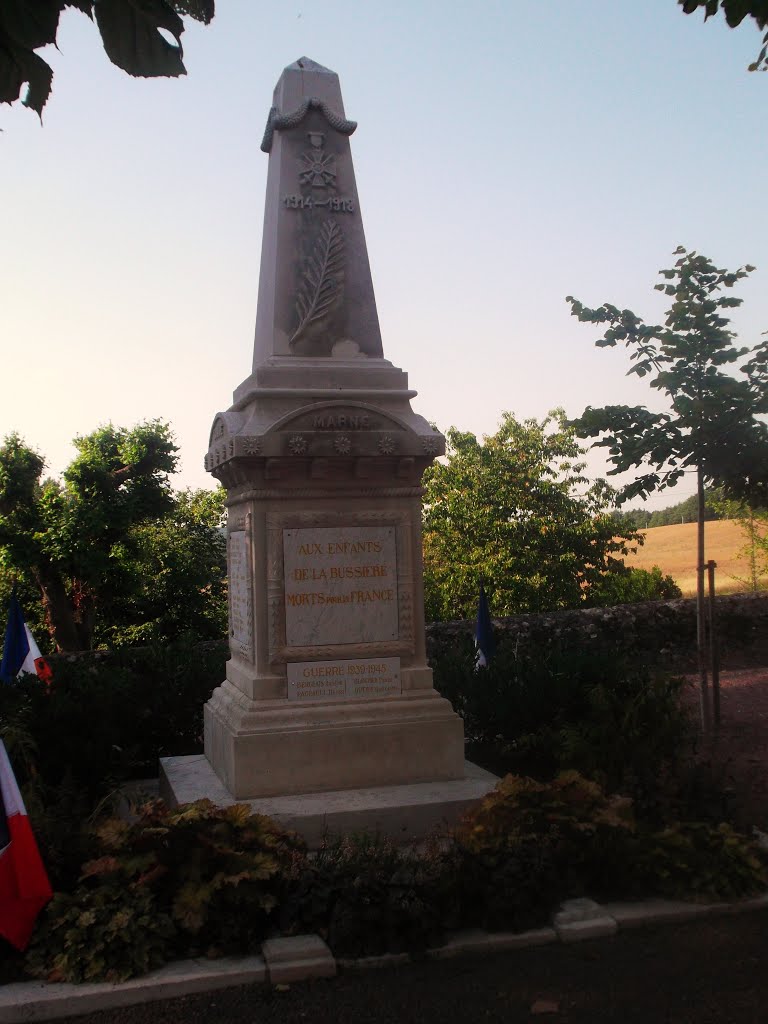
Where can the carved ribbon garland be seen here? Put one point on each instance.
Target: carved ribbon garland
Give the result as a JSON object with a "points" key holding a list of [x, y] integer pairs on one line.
{"points": [[279, 122]]}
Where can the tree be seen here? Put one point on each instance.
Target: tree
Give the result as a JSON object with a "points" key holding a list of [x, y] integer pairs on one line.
{"points": [[735, 12], [174, 576], [63, 537], [131, 31], [714, 427], [515, 509], [754, 528]]}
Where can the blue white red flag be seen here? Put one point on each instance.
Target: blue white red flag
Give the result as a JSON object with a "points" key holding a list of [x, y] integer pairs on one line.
{"points": [[20, 652], [484, 639], [24, 885]]}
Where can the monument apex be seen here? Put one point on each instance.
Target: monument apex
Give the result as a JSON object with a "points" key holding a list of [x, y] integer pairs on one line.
{"points": [[315, 291]]}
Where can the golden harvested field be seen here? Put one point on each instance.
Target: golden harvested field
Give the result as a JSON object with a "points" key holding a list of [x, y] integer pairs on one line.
{"points": [[673, 549]]}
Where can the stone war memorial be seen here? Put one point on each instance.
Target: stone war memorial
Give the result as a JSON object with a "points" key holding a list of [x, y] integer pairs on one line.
{"points": [[327, 717]]}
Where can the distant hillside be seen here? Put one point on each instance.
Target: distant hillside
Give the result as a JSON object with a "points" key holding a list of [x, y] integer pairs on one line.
{"points": [[685, 511], [673, 549]]}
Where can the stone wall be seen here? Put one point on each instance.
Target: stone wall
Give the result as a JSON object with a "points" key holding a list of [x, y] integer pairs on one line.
{"points": [[665, 628]]}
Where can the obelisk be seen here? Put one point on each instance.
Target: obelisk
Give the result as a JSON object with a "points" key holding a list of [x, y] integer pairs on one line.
{"points": [[327, 688]]}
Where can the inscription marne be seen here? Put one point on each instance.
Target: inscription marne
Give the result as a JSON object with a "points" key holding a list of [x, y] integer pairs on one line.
{"points": [[341, 421]]}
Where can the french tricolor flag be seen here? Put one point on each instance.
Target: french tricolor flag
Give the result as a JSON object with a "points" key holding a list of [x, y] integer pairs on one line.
{"points": [[24, 885], [485, 643], [20, 652]]}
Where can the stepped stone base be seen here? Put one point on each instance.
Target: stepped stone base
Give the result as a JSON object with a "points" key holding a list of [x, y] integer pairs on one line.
{"points": [[278, 748], [405, 812]]}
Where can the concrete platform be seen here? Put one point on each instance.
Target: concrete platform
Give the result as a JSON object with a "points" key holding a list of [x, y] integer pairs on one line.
{"points": [[407, 813]]}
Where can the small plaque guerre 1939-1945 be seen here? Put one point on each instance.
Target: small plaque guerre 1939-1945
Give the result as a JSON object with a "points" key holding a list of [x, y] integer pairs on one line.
{"points": [[360, 679], [340, 585]]}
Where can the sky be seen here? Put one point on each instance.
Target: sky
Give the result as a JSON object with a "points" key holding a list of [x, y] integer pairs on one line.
{"points": [[508, 154]]}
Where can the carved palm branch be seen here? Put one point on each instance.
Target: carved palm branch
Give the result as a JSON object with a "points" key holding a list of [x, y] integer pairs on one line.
{"points": [[321, 282]]}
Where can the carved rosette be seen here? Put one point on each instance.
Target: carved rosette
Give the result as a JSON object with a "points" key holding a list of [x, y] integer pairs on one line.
{"points": [[297, 445]]}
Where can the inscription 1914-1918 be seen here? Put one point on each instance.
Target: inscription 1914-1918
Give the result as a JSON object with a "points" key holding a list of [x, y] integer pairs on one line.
{"points": [[336, 204]]}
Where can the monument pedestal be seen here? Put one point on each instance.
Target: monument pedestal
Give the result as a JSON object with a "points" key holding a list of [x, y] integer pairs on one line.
{"points": [[328, 701], [407, 813], [304, 749]]}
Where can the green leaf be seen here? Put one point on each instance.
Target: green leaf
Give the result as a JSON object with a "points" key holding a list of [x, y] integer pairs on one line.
{"points": [[39, 77], [130, 33], [11, 74], [30, 25], [200, 10]]}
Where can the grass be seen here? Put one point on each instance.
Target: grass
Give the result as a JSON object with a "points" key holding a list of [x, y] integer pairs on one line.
{"points": [[673, 549]]}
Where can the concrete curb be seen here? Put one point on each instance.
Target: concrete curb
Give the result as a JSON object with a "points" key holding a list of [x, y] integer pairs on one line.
{"points": [[39, 1000], [302, 957]]}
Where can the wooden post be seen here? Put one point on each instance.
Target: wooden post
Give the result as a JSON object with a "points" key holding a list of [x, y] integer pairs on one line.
{"points": [[714, 646], [701, 644]]}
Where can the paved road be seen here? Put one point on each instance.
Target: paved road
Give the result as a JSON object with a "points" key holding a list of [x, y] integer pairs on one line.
{"points": [[705, 972]]}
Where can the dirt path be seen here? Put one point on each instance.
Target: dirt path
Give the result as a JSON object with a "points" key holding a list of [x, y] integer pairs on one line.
{"points": [[738, 751]]}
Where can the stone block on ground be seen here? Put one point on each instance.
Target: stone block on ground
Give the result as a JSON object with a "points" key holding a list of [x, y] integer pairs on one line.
{"points": [[581, 909], [297, 958], [581, 919]]}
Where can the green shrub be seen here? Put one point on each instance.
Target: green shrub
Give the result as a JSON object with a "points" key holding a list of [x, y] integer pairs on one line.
{"points": [[634, 737], [706, 861], [107, 934], [147, 703], [628, 585], [528, 845], [537, 712], [199, 880], [366, 896], [104, 720]]}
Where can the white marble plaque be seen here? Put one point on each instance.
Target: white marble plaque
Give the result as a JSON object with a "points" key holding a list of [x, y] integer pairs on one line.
{"points": [[363, 679], [240, 597], [340, 585]]}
